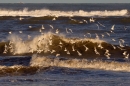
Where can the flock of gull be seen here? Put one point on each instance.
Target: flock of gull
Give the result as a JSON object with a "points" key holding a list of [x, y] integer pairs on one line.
{"points": [[57, 31]]}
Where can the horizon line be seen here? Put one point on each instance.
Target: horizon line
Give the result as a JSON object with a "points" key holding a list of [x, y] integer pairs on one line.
{"points": [[66, 3]]}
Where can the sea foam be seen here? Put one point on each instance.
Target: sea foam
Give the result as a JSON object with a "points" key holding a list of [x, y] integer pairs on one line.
{"points": [[47, 12]]}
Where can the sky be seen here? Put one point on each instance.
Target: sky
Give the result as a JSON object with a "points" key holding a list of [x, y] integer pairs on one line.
{"points": [[65, 1]]}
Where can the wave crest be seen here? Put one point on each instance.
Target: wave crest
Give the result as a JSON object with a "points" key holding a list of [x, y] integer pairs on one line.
{"points": [[79, 63], [59, 45], [46, 12]]}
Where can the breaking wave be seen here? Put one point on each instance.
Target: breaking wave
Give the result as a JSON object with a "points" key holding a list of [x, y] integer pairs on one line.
{"points": [[59, 45], [46, 12], [80, 63], [38, 64]]}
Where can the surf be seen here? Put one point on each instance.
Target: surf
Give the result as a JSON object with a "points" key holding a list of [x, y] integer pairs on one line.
{"points": [[46, 12], [60, 45]]}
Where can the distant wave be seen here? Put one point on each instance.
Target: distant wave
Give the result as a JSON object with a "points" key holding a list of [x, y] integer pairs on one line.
{"points": [[46, 12], [59, 45]]}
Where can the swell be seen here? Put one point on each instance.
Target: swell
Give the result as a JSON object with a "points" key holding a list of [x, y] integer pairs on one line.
{"points": [[46, 12], [18, 65], [80, 63], [38, 64], [59, 45], [50, 19], [18, 70]]}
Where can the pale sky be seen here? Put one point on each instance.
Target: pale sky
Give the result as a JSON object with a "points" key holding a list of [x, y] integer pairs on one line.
{"points": [[65, 1]]}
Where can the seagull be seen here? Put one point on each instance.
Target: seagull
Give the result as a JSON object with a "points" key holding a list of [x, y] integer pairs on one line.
{"points": [[21, 18], [85, 21], [85, 36], [57, 31], [51, 26], [107, 51], [65, 49], [127, 56], [113, 47], [50, 42], [102, 35], [121, 48], [5, 46], [57, 55], [108, 33], [73, 48], [113, 39], [97, 37], [42, 27], [79, 53], [97, 26], [67, 31], [120, 44], [5, 51], [112, 28], [40, 30], [68, 52], [30, 26], [10, 32], [71, 30], [100, 46], [72, 19], [86, 48], [96, 51], [80, 22], [125, 28], [53, 51], [29, 36], [91, 20], [122, 40], [124, 53], [89, 34], [39, 51], [20, 32], [107, 54], [60, 43], [100, 24], [60, 46], [53, 19]]}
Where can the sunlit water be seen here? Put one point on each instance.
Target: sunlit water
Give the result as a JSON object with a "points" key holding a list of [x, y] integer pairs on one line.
{"points": [[64, 44]]}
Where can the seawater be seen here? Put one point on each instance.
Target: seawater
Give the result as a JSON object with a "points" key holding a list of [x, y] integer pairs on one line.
{"points": [[64, 44]]}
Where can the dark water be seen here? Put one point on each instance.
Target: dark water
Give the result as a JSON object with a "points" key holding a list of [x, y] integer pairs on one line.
{"points": [[64, 44]]}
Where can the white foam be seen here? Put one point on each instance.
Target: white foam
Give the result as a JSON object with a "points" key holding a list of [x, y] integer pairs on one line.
{"points": [[40, 42], [80, 63], [46, 12], [20, 46]]}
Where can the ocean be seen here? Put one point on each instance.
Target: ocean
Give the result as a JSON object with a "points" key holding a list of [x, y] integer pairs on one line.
{"points": [[59, 44]]}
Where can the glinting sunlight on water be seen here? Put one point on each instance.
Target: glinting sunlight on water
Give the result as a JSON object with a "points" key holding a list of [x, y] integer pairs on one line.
{"points": [[64, 44]]}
